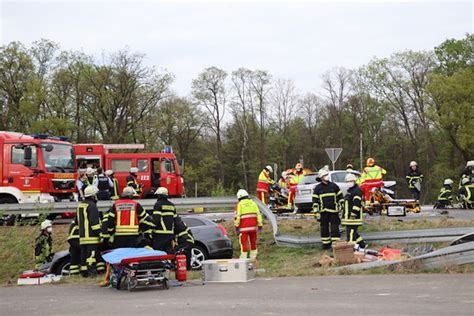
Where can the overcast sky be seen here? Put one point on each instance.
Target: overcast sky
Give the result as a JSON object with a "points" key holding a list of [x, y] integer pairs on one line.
{"points": [[293, 41]]}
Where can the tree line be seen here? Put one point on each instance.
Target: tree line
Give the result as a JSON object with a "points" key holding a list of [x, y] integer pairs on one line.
{"points": [[412, 105]]}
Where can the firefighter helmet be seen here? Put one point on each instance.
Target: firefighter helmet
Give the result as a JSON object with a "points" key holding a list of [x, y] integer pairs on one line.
{"points": [[470, 163], [413, 164], [298, 166], [284, 174], [349, 166], [46, 223], [133, 170], [351, 177], [90, 190], [323, 172], [89, 171], [370, 162], [242, 193], [109, 172], [161, 191], [269, 168], [448, 182], [128, 192], [465, 181]]}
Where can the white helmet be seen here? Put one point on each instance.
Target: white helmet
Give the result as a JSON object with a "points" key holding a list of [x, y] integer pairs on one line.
{"points": [[90, 190], [89, 171], [470, 163], [133, 170], [413, 163], [448, 182], [284, 174], [161, 191], [128, 192], [242, 193], [269, 168], [465, 181], [323, 172], [351, 177], [46, 223], [109, 173]]}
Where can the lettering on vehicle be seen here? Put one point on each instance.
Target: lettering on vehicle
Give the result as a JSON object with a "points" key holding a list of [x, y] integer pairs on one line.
{"points": [[145, 178]]}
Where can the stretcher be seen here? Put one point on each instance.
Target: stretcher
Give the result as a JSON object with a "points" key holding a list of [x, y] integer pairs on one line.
{"points": [[386, 205], [134, 268]]}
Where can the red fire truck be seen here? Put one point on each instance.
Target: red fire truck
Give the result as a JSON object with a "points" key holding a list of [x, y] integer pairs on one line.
{"points": [[154, 169], [35, 168]]}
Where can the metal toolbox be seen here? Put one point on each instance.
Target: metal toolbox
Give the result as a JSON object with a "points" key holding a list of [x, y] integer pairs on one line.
{"points": [[228, 271]]}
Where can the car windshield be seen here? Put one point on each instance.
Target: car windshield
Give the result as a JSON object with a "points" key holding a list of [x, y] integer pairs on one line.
{"points": [[59, 159], [309, 179]]}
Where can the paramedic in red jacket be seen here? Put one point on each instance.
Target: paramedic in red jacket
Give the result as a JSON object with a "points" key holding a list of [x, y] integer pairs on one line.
{"points": [[247, 222], [264, 182]]}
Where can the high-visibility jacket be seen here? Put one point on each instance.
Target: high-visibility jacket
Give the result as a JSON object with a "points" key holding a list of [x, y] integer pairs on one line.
{"points": [[445, 194], [132, 181], [467, 193], [297, 178], [264, 181], [182, 232], [43, 249], [414, 177], [125, 217], [88, 221], [327, 197], [73, 230], [164, 214], [114, 194], [352, 211], [372, 174], [282, 183], [247, 216]]}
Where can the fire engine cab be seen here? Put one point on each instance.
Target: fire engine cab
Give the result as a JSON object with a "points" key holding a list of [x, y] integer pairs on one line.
{"points": [[154, 169], [35, 168]]}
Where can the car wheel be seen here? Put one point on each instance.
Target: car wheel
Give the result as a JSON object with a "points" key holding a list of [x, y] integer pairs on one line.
{"points": [[198, 255], [10, 219], [63, 268]]}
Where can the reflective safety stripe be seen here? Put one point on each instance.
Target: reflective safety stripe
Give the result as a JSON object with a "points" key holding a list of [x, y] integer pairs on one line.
{"points": [[248, 229], [89, 240], [323, 195], [168, 207], [95, 227], [248, 216], [164, 213]]}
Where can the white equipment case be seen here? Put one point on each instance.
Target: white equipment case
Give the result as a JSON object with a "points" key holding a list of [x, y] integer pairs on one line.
{"points": [[228, 270]]}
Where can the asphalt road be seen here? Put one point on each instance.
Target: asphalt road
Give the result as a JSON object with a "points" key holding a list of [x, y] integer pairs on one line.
{"points": [[434, 294]]}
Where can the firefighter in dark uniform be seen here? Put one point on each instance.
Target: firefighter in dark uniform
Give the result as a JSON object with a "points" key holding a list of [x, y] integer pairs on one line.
{"points": [[114, 189], [88, 220], [445, 197], [468, 172], [74, 248], [44, 244], [184, 239], [414, 179], [352, 212], [125, 219], [132, 180], [164, 214], [103, 184], [466, 194], [326, 199]]}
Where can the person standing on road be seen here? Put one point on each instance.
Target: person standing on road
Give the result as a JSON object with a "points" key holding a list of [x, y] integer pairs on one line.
{"points": [[326, 199], [371, 178], [414, 179], [132, 181], [125, 219], [103, 184], [466, 194], [44, 244], [164, 215], [247, 221], [263, 184], [184, 239], [114, 189], [88, 220], [74, 248], [352, 212]]}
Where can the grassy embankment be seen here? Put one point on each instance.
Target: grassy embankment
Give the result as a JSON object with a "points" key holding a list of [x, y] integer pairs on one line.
{"points": [[16, 251]]}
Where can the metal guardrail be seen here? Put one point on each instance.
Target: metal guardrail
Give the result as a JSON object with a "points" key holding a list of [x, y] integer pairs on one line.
{"points": [[402, 236]]}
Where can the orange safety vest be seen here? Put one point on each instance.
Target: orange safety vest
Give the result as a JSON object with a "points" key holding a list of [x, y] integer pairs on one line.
{"points": [[247, 216], [126, 219]]}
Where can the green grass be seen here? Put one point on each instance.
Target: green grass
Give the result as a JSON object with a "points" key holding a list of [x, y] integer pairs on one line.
{"points": [[17, 255]]}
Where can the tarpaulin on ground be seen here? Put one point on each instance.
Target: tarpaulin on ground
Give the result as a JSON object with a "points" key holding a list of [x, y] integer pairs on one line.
{"points": [[117, 255]]}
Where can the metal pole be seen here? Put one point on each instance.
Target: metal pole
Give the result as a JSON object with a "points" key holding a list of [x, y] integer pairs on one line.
{"points": [[361, 153], [333, 164], [196, 189]]}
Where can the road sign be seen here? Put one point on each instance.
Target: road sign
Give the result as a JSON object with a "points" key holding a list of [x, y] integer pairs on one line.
{"points": [[333, 154]]}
